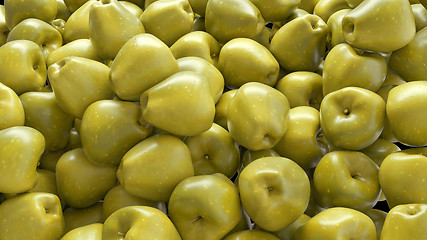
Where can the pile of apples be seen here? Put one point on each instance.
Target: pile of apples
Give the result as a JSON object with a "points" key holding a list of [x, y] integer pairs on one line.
{"points": [[213, 119]]}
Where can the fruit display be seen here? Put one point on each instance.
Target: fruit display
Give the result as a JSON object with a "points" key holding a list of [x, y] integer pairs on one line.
{"points": [[213, 119]]}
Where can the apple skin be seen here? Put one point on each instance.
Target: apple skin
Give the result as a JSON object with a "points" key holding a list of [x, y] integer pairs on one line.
{"points": [[205, 207], [152, 168], [138, 223], [11, 110], [40, 213], [407, 221], [257, 116], [406, 111], [16, 11], [79, 217], [30, 74], [20, 153], [352, 118], [346, 179], [402, 177], [278, 186], [214, 151], [88, 232], [338, 223]]}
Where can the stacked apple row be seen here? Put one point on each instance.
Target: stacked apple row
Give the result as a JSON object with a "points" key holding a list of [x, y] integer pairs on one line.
{"points": [[198, 119]]}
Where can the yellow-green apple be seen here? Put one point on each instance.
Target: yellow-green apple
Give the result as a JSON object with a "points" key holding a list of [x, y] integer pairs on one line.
{"points": [[214, 151], [406, 221], [182, 104], [302, 89], [138, 223], [243, 60], [205, 207], [107, 39], [403, 178], [352, 118], [346, 179], [338, 223], [43, 113], [302, 141], [78, 82], [153, 167], [22, 66], [40, 213], [20, 153], [278, 186], [144, 56], [110, 128], [257, 116], [82, 183]]}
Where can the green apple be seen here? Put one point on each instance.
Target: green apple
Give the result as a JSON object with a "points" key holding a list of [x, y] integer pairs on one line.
{"points": [[338, 223], [142, 57], [20, 153], [77, 48], [212, 74], [302, 89], [77, 26], [300, 44], [22, 66], [335, 33], [59, 25], [153, 167], [325, 8], [46, 182], [43, 113], [118, 198], [4, 30], [276, 185], [378, 217], [63, 12], [159, 15], [403, 179], [347, 67], [276, 10], [38, 31], [16, 11], [352, 118], [197, 44], [107, 39], [290, 231], [380, 149], [110, 128], [82, 183], [214, 151], [405, 222], [133, 8], [236, 19], [138, 223], [11, 110], [73, 5], [221, 108], [78, 82], [88, 232], [40, 213], [49, 159], [79, 217], [243, 60], [420, 16], [406, 110], [182, 104], [257, 116], [346, 179], [302, 141], [250, 156], [308, 5], [204, 207], [251, 235], [379, 26]]}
